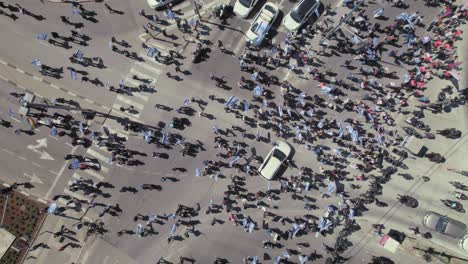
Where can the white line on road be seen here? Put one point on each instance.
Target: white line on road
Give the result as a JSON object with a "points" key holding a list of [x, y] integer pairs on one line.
{"points": [[54, 86], [70, 93], [59, 175], [37, 78], [130, 102], [9, 152], [3, 62], [37, 165], [19, 70], [21, 157]]}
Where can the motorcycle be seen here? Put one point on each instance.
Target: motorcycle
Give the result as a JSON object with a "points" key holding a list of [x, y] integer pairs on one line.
{"points": [[459, 195], [454, 205]]}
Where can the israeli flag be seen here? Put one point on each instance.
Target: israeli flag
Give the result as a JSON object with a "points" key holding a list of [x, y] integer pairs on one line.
{"points": [[173, 229], [81, 128], [197, 172], [246, 106], [42, 36], [369, 115], [11, 112], [73, 75], [379, 12], [228, 103], [380, 139], [236, 158], [75, 11], [331, 187], [361, 112], [140, 229], [280, 111], [320, 124], [354, 135], [258, 91], [186, 102], [351, 214], [36, 62], [277, 260], [53, 131], [151, 52], [79, 54], [251, 227], [52, 208], [148, 136], [303, 259], [289, 111]]}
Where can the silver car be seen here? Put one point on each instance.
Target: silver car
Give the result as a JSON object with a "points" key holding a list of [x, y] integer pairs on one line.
{"points": [[274, 160], [444, 225]]}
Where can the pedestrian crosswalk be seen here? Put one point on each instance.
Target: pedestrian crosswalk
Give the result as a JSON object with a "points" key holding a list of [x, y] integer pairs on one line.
{"points": [[138, 100], [96, 176]]}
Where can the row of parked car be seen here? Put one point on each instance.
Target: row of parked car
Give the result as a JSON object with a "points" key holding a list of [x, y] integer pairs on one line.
{"points": [[303, 11]]}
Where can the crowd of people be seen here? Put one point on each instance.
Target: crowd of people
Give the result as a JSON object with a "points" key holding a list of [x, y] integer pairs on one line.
{"points": [[350, 135]]}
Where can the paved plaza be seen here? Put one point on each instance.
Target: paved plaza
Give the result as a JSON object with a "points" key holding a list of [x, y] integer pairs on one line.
{"points": [[148, 130]]}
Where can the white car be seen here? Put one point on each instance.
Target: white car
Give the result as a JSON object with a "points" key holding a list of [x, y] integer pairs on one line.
{"points": [[274, 160], [300, 14], [242, 8], [262, 23], [158, 3]]}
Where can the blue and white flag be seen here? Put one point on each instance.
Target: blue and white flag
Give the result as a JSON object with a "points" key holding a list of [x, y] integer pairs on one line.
{"points": [[280, 111], [246, 105], [54, 131], [258, 90], [43, 36], [79, 54], [36, 62], [73, 75], [173, 229], [236, 158], [331, 187]]}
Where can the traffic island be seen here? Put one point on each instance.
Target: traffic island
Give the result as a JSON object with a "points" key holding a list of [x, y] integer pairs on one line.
{"points": [[21, 218]]}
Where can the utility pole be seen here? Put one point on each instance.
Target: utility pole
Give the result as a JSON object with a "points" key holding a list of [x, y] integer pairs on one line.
{"points": [[197, 11]]}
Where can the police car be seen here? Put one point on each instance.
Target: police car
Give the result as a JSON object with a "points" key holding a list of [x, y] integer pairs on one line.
{"points": [[262, 23]]}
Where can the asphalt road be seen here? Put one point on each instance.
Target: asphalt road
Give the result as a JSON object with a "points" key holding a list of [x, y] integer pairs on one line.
{"points": [[20, 163]]}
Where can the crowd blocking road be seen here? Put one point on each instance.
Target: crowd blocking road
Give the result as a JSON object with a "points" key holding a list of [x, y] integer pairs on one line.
{"points": [[169, 166]]}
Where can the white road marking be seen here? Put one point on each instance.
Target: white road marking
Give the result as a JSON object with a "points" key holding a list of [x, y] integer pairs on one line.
{"points": [[21, 157], [130, 102], [3, 62], [97, 155], [133, 117], [54, 86], [19, 70], [141, 96], [76, 195], [94, 174], [37, 78], [8, 151], [59, 174], [71, 93], [37, 165], [156, 71], [143, 75]]}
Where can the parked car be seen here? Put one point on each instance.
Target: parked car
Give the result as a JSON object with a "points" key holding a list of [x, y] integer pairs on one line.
{"points": [[444, 225], [262, 23], [464, 243], [274, 160], [301, 13], [242, 8], [158, 3]]}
